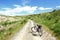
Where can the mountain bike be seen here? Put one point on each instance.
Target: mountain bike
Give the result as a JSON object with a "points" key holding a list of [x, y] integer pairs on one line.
{"points": [[36, 31]]}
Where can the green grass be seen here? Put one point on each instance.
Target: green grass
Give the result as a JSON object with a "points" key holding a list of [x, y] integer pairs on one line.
{"points": [[51, 20], [11, 29]]}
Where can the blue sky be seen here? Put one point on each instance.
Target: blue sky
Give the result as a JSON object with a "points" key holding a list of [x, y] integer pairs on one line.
{"points": [[23, 7]]}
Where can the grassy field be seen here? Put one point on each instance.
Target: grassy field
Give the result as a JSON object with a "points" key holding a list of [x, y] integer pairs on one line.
{"points": [[51, 20], [11, 27]]}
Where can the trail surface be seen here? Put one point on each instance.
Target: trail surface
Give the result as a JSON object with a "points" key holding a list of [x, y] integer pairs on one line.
{"points": [[25, 34]]}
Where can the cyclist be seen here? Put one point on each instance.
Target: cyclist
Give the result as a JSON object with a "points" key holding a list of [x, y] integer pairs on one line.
{"points": [[39, 29]]}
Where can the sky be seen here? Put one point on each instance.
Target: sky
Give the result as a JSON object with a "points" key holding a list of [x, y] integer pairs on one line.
{"points": [[26, 7]]}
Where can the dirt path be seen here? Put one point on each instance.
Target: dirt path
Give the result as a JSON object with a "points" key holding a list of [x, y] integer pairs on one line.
{"points": [[25, 34]]}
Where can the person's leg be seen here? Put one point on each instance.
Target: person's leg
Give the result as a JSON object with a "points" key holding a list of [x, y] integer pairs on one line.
{"points": [[37, 30], [40, 32]]}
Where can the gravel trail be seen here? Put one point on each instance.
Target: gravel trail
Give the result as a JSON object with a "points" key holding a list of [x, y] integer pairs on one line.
{"points": [[25, 34]]}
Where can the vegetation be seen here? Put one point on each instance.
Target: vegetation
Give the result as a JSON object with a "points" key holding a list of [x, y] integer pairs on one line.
{"points": [[9, 28], [50, 19]]}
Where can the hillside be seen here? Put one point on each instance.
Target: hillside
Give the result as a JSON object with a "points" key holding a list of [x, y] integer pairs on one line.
{"points": [[50, 19], [10, 25]]}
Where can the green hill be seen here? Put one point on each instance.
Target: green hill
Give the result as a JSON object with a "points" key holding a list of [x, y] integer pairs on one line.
{"points": [[50, 20]]}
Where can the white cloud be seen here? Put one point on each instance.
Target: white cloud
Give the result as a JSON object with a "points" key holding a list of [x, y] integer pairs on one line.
{"points": [[22, 10], [17, 5], [18, 9], [42, 8], [57, 6]]}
